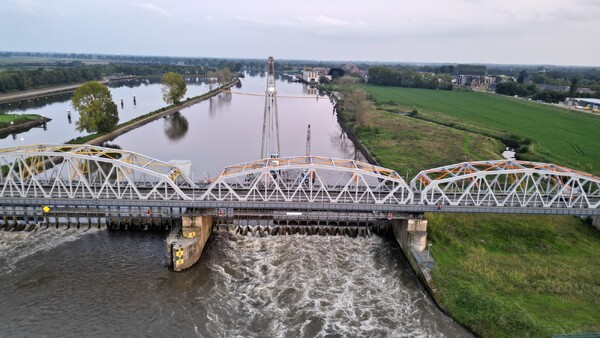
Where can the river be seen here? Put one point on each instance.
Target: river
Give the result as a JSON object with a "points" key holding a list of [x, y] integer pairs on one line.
{"points": [[58, 282]]}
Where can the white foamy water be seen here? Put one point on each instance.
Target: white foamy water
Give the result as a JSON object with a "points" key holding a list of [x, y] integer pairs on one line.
{"points": [[307, 286]]}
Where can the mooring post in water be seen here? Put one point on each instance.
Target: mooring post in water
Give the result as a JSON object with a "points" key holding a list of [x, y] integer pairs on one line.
{"points": [[185, 245]]}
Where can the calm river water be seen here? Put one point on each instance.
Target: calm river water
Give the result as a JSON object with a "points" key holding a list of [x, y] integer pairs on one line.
{"points": [[105, 283]]}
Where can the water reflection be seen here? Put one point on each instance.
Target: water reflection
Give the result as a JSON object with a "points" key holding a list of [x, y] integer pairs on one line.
{"points": [[175, 126], [23, 105], [309, 90], [147, 93]]}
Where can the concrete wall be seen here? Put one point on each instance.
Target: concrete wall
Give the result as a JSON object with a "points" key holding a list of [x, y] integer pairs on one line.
{"points": [[406, 239], [187, 249], [596, 222]]}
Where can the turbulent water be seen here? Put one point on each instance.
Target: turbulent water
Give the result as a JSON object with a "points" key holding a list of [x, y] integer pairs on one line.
{"points": [[115, 283]]}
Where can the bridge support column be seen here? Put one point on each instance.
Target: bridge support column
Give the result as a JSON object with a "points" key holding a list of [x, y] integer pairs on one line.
{"points": [[411, 233], [596, 222], [185, 250]]}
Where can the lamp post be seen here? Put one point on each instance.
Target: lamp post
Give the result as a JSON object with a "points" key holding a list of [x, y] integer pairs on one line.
{"points": [[193, 186], [428, 250], [407, 170]]}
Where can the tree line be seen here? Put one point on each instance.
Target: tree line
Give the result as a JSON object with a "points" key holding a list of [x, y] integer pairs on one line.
{"points": [[25, 79], [386, 76], [16, 80]]}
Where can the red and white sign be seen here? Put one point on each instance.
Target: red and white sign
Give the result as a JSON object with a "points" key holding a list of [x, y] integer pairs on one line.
{"points": [[148, 212], [389, 216], [220, 213]]}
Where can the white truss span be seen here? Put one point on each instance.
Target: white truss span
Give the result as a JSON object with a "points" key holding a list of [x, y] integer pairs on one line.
{"points": [[90, 172], [84, 171], [507, 183], [309, 179]]}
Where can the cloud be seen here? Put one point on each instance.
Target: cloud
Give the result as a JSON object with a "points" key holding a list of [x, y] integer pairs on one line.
{"points": [[27, 5], [323, 21], [152, 8]]}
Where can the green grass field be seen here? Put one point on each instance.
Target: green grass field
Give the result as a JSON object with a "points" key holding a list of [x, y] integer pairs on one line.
{"points": [[559, 136], [518, 276], [410, 145], [499, 275]]}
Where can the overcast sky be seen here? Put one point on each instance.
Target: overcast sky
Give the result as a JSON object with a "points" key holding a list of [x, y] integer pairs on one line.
{"points": [[563, 32]]}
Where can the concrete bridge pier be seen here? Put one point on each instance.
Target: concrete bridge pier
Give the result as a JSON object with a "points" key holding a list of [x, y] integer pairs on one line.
{"points": [[411, 233], [185, 245]]}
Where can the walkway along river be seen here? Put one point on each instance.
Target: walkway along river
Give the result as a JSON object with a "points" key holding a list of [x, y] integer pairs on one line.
{"points": [[73, 282]]}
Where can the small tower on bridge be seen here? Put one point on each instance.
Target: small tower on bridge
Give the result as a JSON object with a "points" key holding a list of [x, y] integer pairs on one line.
{"points": [[270, 135]]}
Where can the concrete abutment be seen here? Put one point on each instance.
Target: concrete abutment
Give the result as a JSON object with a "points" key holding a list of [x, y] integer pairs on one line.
{"points": [[411, 234], [185, 244]]}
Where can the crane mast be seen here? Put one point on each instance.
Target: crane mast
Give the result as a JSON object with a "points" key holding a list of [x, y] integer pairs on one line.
{"points": [[270, 136]]}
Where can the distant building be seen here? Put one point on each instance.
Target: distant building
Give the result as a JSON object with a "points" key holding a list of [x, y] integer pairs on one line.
{"points": [[350, 68], [583, 103], [543, 86], [309, 75], [474, 80]]}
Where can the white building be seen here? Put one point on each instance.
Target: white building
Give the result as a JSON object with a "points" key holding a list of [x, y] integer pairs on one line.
{"points": [[309, 75]]}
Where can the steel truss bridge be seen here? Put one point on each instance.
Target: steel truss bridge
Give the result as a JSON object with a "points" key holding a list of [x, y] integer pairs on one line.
{"points": [[85, 176]]}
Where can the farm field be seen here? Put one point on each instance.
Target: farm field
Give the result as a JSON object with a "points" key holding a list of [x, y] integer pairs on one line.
{"points": [[557, 135], [499, 275]]}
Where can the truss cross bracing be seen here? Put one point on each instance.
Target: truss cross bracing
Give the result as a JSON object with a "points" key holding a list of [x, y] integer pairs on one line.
{"points": [[84, 172], [507, 183]]}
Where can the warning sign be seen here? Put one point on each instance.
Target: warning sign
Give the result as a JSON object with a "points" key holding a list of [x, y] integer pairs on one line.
{"points": [[46, 208]]}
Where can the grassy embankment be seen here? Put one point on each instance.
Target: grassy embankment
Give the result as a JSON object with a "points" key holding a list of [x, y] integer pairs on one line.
{"points": [[499, 275], [544, 132], [5, 119]]}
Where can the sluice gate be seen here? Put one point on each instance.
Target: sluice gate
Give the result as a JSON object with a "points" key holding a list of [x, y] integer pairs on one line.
{"points": [[28, 217], [303, 223]]}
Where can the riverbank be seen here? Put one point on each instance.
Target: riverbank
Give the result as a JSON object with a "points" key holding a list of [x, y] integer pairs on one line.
{"points": [[498, 275], [35, 93], [100, 138], [11, 124]]}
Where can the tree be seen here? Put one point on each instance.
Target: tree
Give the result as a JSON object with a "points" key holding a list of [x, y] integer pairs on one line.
{"points": [[174, 88], [97, 111], [522, 76], [356, 105], [336, 73], [573, 88]]}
